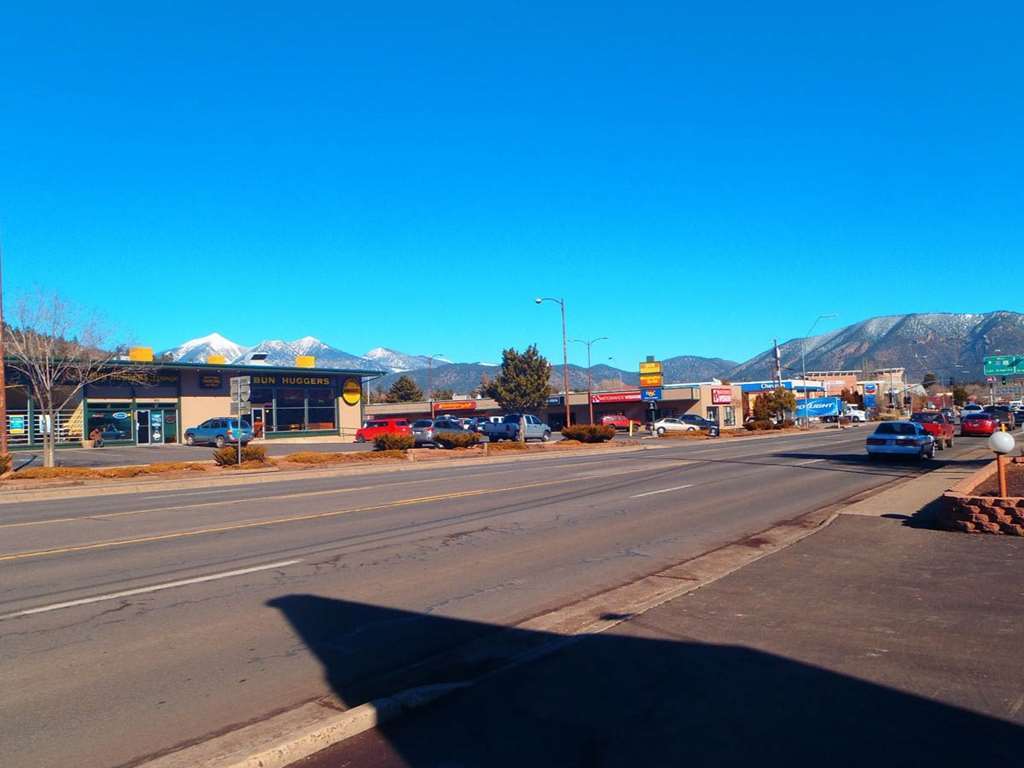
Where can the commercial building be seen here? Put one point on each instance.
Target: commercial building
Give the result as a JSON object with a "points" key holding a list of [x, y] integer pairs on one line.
{"points": [[880, 388], [152, 403]]}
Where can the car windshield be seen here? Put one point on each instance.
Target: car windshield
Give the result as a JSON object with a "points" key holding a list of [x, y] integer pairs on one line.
{"points": [[980, 416], [896, 428], [419, 424], [926, 418]]}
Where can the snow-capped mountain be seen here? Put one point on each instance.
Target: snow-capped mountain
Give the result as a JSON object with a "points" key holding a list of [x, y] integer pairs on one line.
{"points": [[398, 362], [280, 352], [197, 350]]}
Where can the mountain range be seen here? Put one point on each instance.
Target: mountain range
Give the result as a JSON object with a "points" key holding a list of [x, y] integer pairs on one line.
{"points": [[947, 344]]}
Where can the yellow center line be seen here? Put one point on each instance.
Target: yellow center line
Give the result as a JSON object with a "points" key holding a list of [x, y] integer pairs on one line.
{"points": [[241, 525]]}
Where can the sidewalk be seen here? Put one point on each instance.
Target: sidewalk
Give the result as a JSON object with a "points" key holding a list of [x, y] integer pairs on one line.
{"points": [[874, 641]]}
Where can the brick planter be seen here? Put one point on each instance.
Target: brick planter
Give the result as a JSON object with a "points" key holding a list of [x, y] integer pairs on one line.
{"points": [[966, 512]]}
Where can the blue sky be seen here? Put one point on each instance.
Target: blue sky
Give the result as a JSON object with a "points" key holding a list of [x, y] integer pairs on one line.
{"points": [[694, 178]]}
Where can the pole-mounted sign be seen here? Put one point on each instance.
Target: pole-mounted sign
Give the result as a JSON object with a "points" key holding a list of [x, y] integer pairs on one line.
{"points": [[241, 392]]}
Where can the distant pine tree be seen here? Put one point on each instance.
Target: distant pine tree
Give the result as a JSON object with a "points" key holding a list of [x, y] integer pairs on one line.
{"points": [[404, 390], [522, 384]]}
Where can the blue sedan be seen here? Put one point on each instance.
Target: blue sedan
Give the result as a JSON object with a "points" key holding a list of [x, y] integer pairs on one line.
{"points": [[901, 438]]}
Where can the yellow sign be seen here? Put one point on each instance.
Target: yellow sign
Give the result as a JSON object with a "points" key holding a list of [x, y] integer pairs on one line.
{"points": [[351, 392], [305, 361], [651, 379], [141, 354], [650, 367]]}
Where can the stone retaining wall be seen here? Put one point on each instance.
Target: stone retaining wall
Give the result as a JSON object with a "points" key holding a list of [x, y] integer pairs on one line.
{"points": [[963, 511]]}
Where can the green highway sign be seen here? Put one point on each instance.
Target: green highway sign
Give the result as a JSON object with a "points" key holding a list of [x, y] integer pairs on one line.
{"points": [[1004, 365]]}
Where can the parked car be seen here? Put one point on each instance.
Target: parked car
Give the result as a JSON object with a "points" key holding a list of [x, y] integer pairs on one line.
{"points": [[371, 430], [672, 424], [978, 423], [700, 423], [970, 408], [900, 438], [937, 425], [426, 431], [619, 421], [1003, 414], [219, 432], [508, 428], [949, 413]]}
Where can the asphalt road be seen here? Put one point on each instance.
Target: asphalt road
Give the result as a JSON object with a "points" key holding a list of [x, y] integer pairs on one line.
{"points": [[92, 676]]}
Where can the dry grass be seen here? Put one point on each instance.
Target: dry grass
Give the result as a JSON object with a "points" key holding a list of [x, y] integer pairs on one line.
{"points": [[695, 434], [85, 473], [318, 458], [506, 446]]}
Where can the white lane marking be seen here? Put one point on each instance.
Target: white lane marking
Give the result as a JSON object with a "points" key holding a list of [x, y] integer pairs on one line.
{"points": [[190, 493], [663, 490], [146, 590], [809, 461]]}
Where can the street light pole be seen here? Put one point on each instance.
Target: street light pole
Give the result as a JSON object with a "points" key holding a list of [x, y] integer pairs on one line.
{"points": [[3, 380], [590, 378], [565, 358], [803, 355]]}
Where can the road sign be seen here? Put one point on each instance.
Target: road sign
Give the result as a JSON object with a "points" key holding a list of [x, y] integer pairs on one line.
{"points": [[241, 388], [1004, 365], [650, 394], [650, 366], [651, 374], [243, 408]]}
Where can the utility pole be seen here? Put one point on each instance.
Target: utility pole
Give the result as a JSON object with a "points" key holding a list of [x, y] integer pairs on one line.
{"points": [[565, 358], [590, 378], [430, 381]]}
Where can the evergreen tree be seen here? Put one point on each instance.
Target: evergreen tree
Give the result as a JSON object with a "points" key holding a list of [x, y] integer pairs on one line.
{"points": [[404, 390], [522, 384]]}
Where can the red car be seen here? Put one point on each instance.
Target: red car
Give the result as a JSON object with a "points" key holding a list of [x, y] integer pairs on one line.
{"points": [[938, 425], [978, 423], [619, 421], [374, 429]]}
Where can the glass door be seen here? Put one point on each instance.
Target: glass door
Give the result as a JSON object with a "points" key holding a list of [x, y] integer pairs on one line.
{"points": [[156, 427], [142, 427]]}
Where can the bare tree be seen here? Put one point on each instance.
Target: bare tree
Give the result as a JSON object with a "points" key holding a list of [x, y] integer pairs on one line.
{"points": [[57, 349]]}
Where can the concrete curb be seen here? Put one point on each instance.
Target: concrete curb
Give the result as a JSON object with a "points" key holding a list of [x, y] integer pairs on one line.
{"points": [[299, 733], [262, 476]]}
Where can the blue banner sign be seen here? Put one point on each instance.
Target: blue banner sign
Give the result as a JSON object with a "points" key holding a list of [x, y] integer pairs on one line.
{"points": [[817, 407], [650, 394]]}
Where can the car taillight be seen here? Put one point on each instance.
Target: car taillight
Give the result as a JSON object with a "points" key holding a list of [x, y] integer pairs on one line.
{"points": [[904, 441], [230, 433], [876, 441]]}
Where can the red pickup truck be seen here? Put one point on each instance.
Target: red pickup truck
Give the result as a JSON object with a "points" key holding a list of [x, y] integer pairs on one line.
{"points": [[938, 425]]}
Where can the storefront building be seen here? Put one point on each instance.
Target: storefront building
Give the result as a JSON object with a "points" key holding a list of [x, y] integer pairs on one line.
{"points": [[154, 403]]}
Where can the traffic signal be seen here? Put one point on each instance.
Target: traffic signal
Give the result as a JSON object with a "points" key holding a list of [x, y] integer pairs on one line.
{"points": [[1003, 381], [951, 381]]}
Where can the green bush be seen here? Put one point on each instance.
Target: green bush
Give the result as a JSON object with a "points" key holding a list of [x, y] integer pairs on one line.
{"points": [[228, 455], [588, 433], [393, 442], [457, 439]]}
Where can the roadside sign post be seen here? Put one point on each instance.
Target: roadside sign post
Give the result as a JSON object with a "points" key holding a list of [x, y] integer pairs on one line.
{"points": [[241, 392]]}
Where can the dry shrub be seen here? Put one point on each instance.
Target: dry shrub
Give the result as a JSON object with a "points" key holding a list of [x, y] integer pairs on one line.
{"points": [[176, 466], [457, 439], [393, 442], [251, 454], [588, 433]]}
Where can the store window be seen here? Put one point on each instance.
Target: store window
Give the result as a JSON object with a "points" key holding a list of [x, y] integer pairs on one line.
{"points": [[713, 413], [291, 410], [728, 416], [110, 423], [321, 409]]}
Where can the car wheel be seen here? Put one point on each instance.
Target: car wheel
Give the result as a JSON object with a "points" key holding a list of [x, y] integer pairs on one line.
{"points": [[545, 437], [941, 444], [219, 442], [189, 440], [661, 431], [360, 439], [949, 443]]}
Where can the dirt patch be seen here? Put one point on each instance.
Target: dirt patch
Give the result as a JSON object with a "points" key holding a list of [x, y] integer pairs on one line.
{"points": [[1014, 482]]}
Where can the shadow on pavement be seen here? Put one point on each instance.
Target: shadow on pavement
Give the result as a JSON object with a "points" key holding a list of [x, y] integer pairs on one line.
{"points": [[617, 700]]}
